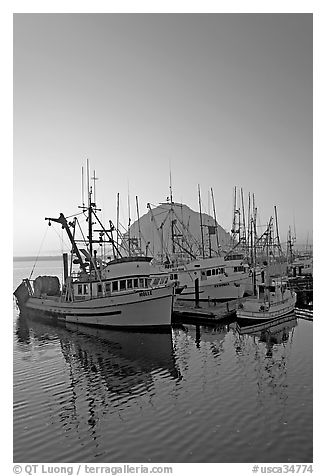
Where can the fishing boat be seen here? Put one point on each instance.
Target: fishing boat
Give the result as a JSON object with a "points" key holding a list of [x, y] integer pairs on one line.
{"points": [[271, 300], [218, 279], [114, 293], [197, 273]]}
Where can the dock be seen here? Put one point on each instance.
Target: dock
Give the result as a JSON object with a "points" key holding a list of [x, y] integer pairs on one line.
{"points": [[204, 312], [304, 313]]}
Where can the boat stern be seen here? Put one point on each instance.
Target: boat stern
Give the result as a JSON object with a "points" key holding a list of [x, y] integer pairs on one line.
{"points": [[23, 293]]}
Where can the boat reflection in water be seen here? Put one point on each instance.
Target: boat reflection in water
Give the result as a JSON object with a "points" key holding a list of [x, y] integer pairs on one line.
{"points": [[125, 362], [274, 332]]}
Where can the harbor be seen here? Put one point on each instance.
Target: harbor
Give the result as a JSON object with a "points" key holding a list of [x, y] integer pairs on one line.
{"points": [[163, 243], [86, 384]]}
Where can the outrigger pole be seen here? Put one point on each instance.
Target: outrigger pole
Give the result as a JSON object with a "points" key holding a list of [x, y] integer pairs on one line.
{"points": [[63, 222]]}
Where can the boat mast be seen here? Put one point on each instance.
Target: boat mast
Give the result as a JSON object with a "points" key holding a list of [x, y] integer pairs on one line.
{"points": [[216, 232], [253, 263], [90, 228], [118, 196], [249, 214], [277, 233], [243, 221], [234, 216], [129, 221], [139, 234], [201, 223], [170, 215]]}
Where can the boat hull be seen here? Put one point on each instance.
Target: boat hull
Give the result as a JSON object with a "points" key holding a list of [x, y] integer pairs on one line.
{"points": [[225, 291], [152, 308], [251, 310]]}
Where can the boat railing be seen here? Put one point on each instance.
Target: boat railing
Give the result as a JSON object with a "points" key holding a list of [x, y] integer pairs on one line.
{"points": [[29, 287], [277, 303], [276, 313]]}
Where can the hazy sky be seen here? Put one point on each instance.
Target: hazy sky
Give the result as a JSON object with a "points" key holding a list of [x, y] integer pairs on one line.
{"points": [[223, 100]]}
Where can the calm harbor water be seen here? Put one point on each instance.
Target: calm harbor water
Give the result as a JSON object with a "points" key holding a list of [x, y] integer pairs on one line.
{"points": [[196, 394]]}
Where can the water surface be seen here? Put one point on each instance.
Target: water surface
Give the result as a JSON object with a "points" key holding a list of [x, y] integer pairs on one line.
{"points": [[195, 394]]}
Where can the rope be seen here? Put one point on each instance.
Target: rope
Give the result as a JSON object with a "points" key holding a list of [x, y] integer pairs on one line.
{"points": [[62, 241], [75, 214], [39, 251]]}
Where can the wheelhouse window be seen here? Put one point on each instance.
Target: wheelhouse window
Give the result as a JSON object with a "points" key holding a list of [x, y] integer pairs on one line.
{"points": [[213, 272], [115, 286], [99, 288], [141, 282], [129, 283], [82, 289], [107, 287], [136, 283], [238, 269], [123, 285], [209, 272]]}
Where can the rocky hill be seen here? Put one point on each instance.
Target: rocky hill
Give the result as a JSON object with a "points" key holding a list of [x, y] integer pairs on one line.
{"points": [[159, 224]]}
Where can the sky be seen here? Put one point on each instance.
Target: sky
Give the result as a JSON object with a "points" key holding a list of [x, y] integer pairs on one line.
{"points": [[212, 99]]}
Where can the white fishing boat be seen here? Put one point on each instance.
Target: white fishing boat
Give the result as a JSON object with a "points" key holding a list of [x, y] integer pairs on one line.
{"points": [[116, 293], [199, 272], [271, 301], [218, 278]]}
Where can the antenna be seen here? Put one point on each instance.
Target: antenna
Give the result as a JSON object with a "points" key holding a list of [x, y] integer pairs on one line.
{"points": [[94, 178], [171, 198], [82, 180], [87, 170]]}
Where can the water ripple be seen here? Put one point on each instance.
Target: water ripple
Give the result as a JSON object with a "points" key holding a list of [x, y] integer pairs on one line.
{"points": [[197, 394]]}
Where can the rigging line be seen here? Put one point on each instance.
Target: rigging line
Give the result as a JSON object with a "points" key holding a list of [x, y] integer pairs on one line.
{"points": [[62, 241], [81, 231], [39, 251], [76, 214]]}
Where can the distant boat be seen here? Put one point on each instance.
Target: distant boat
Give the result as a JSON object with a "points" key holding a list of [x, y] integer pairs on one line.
{"points": [[196, 268], [271, 301], [301, 266], [220, 278], [118, 293]]}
